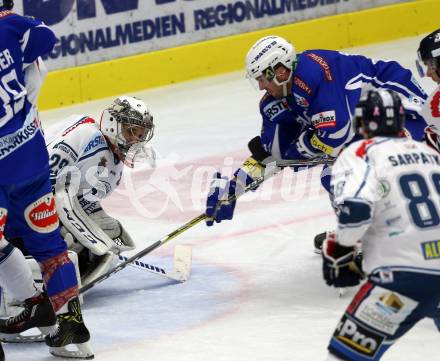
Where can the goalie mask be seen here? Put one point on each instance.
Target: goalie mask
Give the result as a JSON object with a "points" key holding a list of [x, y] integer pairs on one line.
{"points": [[128, 125], [7, 4]]}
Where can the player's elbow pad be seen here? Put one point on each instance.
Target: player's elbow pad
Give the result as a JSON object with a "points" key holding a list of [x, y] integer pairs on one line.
{"points": [[353, 213]]}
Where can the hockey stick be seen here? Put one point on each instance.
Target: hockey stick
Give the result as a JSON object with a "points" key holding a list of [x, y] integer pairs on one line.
{"points": [[164, 240], [255, 184], [263, 156], [181, 267]]}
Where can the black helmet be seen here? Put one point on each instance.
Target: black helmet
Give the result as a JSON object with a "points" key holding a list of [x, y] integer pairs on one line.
{"points": [[379, 112], [7, 4], [429, 51]]}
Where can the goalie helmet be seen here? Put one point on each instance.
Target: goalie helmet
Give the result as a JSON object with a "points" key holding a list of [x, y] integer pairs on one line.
{"points": [[429, 53], [7, 4], [379, 112], [266, 54], [127, 124]]}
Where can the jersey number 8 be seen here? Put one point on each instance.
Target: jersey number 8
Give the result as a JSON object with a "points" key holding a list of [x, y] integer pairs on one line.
{"points": [[422, 208]]}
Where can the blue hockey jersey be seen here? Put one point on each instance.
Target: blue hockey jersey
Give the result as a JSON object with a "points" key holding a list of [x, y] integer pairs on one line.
{"points": [[326, 87], [22, 148]]}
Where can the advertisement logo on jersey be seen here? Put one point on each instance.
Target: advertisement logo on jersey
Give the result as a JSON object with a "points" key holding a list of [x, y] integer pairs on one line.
{"points": [[358, 338], [301, 101], [431, 249], [435, 105], [384, 310], [41, 215], [323, 64], [302, 84], [324, 120], [3, 213], [274, 108]]}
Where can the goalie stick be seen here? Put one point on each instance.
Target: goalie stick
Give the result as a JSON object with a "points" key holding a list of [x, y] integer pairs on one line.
{"points": [[181, 265], [164, 240]]}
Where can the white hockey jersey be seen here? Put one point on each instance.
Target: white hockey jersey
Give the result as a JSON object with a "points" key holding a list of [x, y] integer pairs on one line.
{"points": [[79, 153], [431, 108], [398, 181]]}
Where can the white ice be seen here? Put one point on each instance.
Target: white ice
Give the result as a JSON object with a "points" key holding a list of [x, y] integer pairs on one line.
{"points": [[256, 291]]}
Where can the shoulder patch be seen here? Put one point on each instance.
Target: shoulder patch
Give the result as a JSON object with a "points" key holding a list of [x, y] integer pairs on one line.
{"points": [[77, 124], [302, 84], [362, 149], [323, 64]]}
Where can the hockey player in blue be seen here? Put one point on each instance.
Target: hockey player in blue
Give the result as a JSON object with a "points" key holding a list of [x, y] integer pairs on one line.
{"points": [[308, 107], [27, 206], [387, 201]]}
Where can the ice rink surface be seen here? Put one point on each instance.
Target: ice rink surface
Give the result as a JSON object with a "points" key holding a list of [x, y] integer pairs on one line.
{"points": [[256, 291]]}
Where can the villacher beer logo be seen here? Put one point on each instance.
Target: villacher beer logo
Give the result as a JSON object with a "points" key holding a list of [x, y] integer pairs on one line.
{"points": [[41, 215]]}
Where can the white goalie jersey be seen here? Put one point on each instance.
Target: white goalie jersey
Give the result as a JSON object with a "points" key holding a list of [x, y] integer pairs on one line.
{"points": [[80, 155], [84, 170], [388, 194]]}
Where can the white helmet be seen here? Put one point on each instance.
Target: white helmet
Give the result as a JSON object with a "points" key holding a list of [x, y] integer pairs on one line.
{"points": [[268, 52], [124, 116]]}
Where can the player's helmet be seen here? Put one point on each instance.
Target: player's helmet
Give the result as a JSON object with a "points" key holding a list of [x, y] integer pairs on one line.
{"points": [[429, 52], [7, 4], [126, 123], [432, 137], [379, 112], [268, 52]]}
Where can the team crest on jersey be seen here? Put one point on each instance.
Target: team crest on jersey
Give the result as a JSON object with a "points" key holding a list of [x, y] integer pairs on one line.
{"points": [[3, 213], [384, 188], [324, 120], [435, 105], [41, 215], [301, 101]]}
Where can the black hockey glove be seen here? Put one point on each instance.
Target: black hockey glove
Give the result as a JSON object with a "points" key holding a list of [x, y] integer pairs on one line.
{"points": [[342, 266]]}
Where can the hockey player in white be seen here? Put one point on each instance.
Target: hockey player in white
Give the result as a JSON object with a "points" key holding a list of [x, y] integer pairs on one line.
{"points": [[386, 192], [87, 158], [428, 64]]}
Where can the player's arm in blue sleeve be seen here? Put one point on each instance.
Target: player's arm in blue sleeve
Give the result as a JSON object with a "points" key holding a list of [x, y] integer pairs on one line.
{"points": [[37, 40], [388, 74]]}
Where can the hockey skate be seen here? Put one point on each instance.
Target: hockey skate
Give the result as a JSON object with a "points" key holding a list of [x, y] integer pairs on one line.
{"points": [[71, 331], [2, 354], [38, 312]]}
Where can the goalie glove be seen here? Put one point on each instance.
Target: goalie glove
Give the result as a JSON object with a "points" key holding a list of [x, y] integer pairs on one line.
{"points": [[342, 266]]}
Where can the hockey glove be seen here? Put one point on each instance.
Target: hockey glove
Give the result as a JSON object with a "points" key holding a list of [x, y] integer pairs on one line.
{"points": [[342, 267], [218, 207]]}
